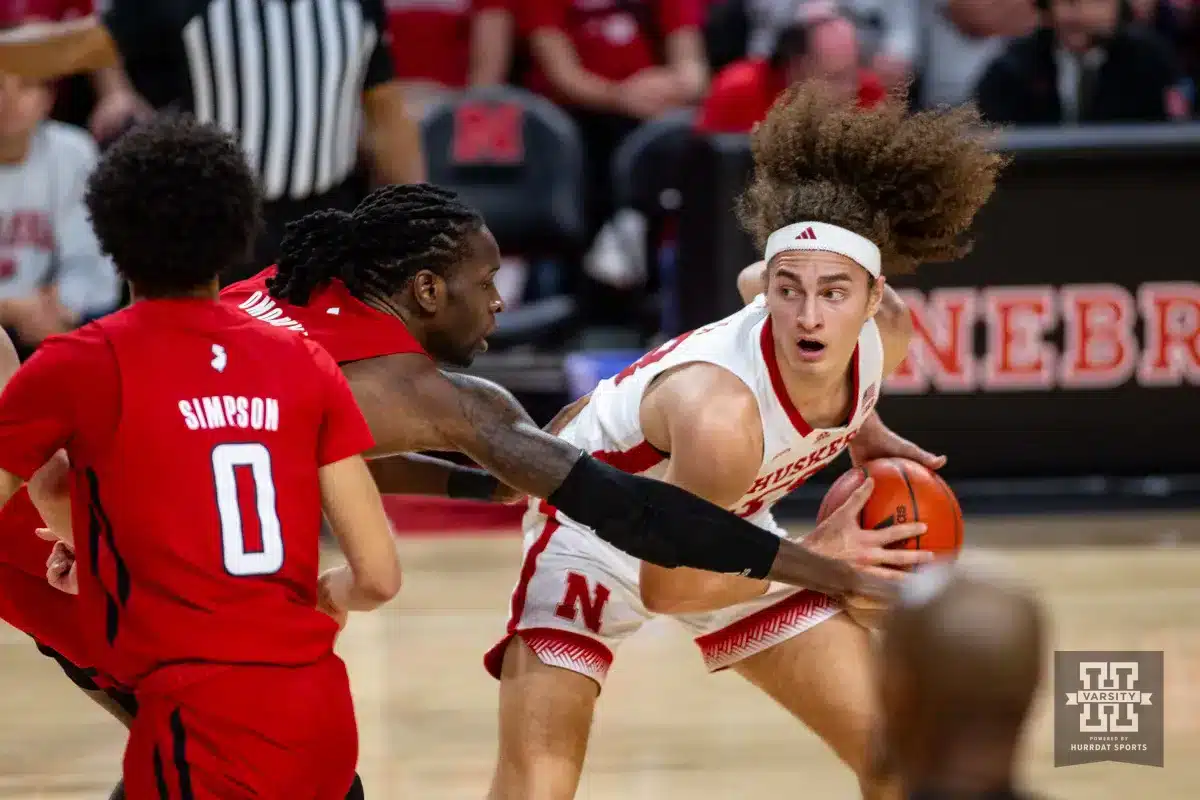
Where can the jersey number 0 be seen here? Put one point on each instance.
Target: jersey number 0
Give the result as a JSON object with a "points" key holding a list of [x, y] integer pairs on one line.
{"points": [[226, 458]]}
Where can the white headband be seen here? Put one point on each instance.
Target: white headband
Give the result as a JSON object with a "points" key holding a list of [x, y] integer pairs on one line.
{"points": [[826, 237]]}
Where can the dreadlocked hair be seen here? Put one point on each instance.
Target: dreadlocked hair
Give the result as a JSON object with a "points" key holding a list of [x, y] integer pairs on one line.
{"points": [[394, 232], [911, 183]]}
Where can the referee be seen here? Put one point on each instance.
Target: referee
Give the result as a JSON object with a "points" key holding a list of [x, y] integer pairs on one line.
{"points": [[307, 85]]}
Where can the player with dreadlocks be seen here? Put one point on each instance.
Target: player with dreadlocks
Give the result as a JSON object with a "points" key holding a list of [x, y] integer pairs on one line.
{"points": [[407, 279]]}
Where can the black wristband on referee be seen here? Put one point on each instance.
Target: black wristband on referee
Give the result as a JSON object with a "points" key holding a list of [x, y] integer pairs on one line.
{"points": [[467, 483], [663, 524]]}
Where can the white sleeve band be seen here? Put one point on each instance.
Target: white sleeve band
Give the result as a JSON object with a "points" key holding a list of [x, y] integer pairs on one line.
{"points": [[828, 238]]}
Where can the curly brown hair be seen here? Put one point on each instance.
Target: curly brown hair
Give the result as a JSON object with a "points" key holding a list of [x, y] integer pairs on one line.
{"points": [[910, 182]]}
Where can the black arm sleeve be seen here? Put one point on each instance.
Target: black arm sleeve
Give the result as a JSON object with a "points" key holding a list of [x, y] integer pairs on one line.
{"points": [[663, 524]]}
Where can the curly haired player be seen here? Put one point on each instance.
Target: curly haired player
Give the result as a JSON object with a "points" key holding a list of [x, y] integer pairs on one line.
{"points": [[741, 412]]}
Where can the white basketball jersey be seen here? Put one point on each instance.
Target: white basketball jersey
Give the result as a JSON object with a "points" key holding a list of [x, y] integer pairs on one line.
{"points": [[610, 427]]}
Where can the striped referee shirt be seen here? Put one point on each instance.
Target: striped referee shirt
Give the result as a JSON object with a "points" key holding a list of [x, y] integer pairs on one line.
{"points": [[285, 76]]}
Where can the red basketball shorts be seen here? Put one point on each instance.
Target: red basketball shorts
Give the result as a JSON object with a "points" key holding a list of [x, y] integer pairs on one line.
{"points": [[269, 733]]}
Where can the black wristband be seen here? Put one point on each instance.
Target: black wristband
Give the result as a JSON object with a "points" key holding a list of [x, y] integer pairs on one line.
{"points": [[466, 483], [663, 524]]}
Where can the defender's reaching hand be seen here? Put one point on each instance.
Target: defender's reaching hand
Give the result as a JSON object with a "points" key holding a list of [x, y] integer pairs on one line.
{"points": [[840, 536]]}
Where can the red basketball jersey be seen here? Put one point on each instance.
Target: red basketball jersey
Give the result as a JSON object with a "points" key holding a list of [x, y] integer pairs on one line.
{"points": [[19, 545], [195, 435], [344, 325]]}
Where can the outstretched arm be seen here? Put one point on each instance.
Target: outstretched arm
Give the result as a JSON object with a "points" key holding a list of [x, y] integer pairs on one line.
{"points": [[409, 473], [410, 405]]}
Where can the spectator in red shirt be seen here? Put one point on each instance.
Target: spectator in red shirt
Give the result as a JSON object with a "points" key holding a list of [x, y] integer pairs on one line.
{"points": [[636, 58], [440, 47], [824, 47], [116, 102], [612, 64]]}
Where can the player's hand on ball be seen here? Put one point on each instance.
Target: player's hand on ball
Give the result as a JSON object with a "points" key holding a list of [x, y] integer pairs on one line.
{"points": [[876, 440], [60, 567], [841, 537], [325, 602]]}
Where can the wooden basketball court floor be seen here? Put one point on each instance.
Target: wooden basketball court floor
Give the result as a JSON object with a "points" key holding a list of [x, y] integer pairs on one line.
{"points": [[665, 730]]}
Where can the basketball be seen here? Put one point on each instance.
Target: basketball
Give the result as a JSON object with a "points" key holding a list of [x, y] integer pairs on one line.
{"points": [[904, 491]]}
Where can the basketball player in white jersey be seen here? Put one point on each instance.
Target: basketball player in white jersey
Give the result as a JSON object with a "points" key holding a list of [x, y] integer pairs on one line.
{"points": [[741, 412]]}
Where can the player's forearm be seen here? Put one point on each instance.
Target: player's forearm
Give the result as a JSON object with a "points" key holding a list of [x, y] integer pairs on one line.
{"points": [[409, 473], [359, 523], [345, 591], [646, 518], [50, 491]]}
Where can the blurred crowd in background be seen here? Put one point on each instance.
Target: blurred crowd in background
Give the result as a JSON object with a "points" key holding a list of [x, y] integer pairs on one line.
{"points": [[363, 73]]}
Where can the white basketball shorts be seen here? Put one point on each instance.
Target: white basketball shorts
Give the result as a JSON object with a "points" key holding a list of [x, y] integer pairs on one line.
{"points": [[577, 599]]}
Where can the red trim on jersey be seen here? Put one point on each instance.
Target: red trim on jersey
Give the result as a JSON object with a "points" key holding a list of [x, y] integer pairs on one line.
{"points": [[639, 458], [781, 394], [723, 648], [554, 646], [528, 568], [854, 377], [493, 659]]}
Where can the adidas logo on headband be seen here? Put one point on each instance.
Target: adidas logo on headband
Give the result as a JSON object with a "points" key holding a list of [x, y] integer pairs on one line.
{"points": [[834, 239]]}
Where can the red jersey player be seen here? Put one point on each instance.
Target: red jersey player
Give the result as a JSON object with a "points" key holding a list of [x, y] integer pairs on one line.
{"points": [[27, 601], [204, 448]]}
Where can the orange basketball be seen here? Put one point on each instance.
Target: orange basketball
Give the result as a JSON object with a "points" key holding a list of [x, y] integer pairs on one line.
{"points": [[904, 491]]}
